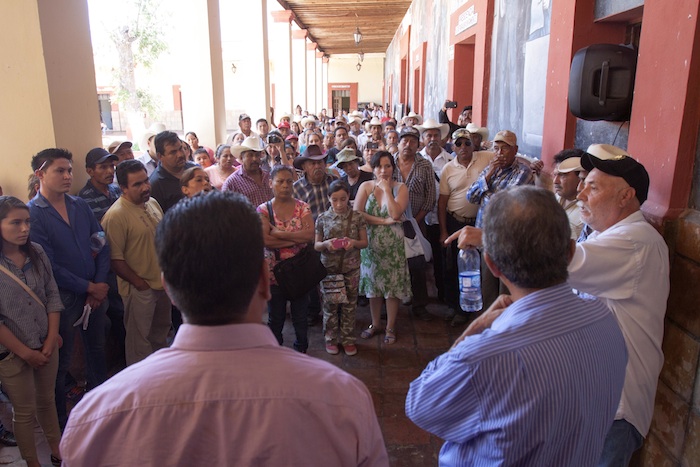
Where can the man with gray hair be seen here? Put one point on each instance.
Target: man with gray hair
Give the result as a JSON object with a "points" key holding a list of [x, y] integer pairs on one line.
{"points": [[537, 378]]}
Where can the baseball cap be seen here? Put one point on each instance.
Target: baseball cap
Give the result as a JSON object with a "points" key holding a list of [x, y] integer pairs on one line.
{"points": [[117, 145], [243, 117], [98, 156], [618, 163], [507, 137], [409, 131]]}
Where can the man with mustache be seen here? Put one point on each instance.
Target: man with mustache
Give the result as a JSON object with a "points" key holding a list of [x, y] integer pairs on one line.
{"points": [[130, 225], [165, 180], [566, 178], [250, 180]]}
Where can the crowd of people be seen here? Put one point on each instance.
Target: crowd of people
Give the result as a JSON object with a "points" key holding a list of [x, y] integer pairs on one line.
{"points": [[178, 259]]}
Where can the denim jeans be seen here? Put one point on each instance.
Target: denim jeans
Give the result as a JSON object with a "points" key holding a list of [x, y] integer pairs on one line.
{"points": [[277, 313], [93, 340], [621, 442]]}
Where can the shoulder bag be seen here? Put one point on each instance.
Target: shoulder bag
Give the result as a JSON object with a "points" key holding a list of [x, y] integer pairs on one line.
{"points": [[297, 275]]}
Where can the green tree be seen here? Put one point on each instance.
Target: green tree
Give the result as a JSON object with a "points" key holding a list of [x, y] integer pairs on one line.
{"points": [[138, 43]]}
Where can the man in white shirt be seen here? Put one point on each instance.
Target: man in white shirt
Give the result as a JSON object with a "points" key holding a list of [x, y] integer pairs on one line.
{"points": [[625, 263]]}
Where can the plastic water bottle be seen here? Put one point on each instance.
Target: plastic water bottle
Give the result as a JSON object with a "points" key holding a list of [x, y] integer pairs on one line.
{"points": [[469, 267], [97, 242]]}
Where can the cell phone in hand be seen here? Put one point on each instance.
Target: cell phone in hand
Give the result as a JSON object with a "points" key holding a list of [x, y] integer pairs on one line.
{"points": [[451, 104]]}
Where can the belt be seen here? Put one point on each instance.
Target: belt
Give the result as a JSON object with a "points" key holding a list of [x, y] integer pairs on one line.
{"points": [[463, 220]]}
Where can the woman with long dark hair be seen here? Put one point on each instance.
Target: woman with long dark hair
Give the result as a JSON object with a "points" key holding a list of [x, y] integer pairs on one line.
{"points": [[29, 316]]}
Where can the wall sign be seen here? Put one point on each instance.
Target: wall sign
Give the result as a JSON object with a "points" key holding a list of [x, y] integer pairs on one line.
{"points": [[466, 20]]}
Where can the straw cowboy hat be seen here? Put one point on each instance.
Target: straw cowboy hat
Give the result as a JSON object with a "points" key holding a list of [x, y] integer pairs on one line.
{"points": [[483, 131], [251, 143], [412, 114], [431, 124]]}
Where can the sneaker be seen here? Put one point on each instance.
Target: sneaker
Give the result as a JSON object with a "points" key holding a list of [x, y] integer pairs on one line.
{"points": [[7, 438], [350, 349], [332, 349]]}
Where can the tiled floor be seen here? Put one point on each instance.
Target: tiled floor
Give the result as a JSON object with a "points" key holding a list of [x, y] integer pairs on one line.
{"points": [[387, 370]]}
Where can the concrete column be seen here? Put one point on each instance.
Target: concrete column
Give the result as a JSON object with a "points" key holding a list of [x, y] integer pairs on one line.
{"points": [[202, 88], [281, 55], [48, 94], [299, 68], [320, 85], [665, 111], [311, 76], [326, 92]]}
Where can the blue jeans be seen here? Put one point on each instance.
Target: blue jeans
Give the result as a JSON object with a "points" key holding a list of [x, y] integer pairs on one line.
{"points": [[277, 313], [93, 341], [620, 443]]}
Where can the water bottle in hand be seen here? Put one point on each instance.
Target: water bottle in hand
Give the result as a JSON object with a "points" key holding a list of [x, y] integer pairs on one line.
{"points": [[469, 267]]}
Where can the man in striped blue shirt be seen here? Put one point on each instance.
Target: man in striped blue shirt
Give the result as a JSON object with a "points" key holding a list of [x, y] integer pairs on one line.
{"points": [[537, 378]]}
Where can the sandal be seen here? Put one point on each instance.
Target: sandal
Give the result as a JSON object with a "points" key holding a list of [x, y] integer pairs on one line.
{"points": [[369, 332], [390, 336]]}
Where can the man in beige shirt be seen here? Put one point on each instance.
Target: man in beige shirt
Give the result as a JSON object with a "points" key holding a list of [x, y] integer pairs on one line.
{"points": [[566, 178], [454, 211], [130, 226]]}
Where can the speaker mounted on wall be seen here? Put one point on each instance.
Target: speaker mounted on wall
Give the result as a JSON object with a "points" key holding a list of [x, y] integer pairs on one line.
{"points": [[601, 82]]}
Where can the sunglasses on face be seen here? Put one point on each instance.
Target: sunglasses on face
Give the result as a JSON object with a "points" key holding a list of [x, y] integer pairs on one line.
{"points": [[465, 142]]}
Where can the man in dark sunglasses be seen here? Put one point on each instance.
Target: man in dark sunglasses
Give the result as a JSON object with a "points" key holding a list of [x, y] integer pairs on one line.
{"points": [[454, 212]]}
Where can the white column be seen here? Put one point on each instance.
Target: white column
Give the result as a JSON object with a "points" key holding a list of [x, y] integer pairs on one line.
{"points": [[280, 34], [299, 68], [311, 76], [203, 109]]}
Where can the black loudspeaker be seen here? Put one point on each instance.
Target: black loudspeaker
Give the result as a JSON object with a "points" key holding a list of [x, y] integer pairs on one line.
{"points": [[601, 82]]}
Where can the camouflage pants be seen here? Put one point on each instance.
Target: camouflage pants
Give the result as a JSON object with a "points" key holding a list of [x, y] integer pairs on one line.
{"points": [[339, 319]]}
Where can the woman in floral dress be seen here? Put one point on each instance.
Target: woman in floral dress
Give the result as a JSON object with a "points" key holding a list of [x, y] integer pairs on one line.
{"points": [[383, 271]]}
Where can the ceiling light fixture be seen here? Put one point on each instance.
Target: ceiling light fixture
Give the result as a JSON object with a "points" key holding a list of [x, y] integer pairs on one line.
{"points": [[358, 66], [233, 67], [361, 56], [358, 36]]}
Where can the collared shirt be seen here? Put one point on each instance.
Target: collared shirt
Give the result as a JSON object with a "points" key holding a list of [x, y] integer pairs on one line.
{"points": [[481, 191], [241, 182], [131, 231], [68, 245], [573, 212], [148, 162], [332, 225], [165, 187], [539, 387], [420, 183], [627, 266], [24, 317], [226, 395], [98, 201], [316, 196], [456, 180], [438, 164]]}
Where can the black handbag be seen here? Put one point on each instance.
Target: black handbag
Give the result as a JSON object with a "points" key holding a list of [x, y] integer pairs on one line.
{"points": [[297, 275]]}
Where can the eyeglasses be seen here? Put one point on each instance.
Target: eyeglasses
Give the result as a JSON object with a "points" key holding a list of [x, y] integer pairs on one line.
{"points": [[465, 142]]}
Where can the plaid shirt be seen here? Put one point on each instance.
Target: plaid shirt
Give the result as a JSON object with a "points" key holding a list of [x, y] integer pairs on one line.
{"points": [[316, 196], [481, 191], [421, 185], [241, 182], [98, 202]]}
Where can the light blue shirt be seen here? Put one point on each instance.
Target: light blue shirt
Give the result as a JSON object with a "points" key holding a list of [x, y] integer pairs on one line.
{"points": [[540, 387]]}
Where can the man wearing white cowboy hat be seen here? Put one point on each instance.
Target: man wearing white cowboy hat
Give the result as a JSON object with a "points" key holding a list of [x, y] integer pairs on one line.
{"points": [[250, 179], [479, 134], [355, 127], [312, 188], [412, 119], [375, 134], [432, 134], [149, 159]]}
